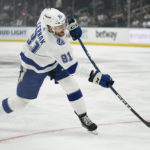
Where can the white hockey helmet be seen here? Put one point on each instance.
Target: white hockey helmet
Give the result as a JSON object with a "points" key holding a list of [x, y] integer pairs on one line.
{"points": [[53, 17]]}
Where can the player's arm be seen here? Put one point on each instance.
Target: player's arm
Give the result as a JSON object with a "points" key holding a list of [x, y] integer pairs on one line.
{"points": [[96, 77]]}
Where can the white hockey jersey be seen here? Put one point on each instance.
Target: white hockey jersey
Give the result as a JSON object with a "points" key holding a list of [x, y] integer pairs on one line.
{"points": [[43, 51]]}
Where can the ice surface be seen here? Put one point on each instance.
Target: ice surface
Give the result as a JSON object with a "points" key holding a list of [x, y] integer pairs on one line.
{"points": [[49, 123]]}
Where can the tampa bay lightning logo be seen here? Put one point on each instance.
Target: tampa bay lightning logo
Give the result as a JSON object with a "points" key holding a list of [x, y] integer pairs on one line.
{"points": [[59, 16], [60, 42]]}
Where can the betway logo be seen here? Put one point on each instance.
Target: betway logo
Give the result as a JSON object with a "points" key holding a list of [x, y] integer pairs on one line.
{"points": [[105, 34]]}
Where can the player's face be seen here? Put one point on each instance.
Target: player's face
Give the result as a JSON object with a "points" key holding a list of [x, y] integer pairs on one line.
{"points": [[60, 30]]}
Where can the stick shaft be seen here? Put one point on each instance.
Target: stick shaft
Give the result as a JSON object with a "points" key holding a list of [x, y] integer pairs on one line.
{"points": [[86, 52]]}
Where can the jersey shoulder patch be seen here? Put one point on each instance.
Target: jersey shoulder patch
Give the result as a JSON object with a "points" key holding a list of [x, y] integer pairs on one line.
{"points": [[60, 42]]}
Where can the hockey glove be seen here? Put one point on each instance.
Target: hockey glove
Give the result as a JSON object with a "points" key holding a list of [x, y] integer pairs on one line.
{"points": [[74, 29], [102, 79]]}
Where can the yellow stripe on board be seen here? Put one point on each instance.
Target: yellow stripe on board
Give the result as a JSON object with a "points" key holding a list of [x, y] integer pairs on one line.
{"points": [[11, 40], [88, 43], [114, 44]]}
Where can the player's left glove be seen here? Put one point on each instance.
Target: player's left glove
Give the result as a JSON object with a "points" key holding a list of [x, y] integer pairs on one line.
{"points": [[74, 29], [102, 79]]}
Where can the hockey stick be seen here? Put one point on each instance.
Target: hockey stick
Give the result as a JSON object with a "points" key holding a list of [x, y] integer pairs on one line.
{"points": [[114, 91]]}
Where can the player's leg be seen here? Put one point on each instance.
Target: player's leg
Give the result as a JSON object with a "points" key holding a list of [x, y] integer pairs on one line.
{"points": [[75, 98], [28, 87]]}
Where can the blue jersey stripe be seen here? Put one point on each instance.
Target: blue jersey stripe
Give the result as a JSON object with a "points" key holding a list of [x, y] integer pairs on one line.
{"points": [[72, 68], [32, 63]]}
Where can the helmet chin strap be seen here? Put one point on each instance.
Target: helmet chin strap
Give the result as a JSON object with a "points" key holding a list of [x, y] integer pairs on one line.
{"points": [[52, 30]]}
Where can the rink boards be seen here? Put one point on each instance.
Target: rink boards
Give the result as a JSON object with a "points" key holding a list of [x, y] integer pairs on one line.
{"points": [[91, 36]]}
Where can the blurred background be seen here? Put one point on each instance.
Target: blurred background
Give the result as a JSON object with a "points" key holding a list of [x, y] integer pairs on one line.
{"points": [[89, 13]]}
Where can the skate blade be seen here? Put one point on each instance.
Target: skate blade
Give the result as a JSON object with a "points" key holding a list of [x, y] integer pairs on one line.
{"points": [[95, 132]]}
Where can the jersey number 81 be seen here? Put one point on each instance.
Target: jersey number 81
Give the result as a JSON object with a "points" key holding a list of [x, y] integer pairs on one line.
{"points": [[66, 58]]}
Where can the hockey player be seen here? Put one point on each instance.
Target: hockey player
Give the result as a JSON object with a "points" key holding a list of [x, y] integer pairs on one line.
{"points": [[48, 53]]}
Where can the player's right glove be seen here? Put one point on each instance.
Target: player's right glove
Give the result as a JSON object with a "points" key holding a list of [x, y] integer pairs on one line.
{"points": [[102, 79], [74, 29]]}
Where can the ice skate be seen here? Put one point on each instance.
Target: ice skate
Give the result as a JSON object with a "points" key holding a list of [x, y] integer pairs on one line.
{"points": [[87, 123]]}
